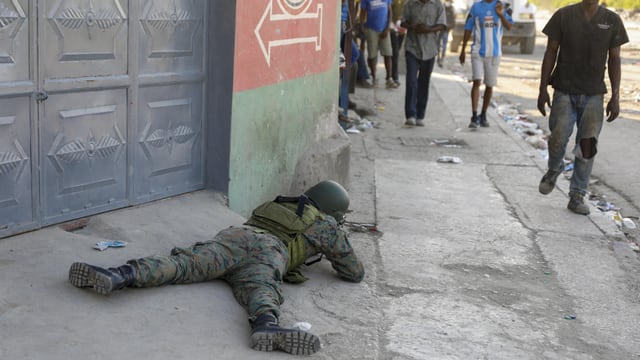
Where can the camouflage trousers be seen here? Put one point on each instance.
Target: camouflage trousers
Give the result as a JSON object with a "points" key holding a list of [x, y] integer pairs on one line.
{"points": [[252, 263]]}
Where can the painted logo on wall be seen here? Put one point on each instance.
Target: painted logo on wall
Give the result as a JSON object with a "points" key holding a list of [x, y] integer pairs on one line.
{"points": [[280, 40]]}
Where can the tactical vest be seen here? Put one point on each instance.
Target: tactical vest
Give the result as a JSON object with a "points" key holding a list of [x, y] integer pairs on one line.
{"points": [[288, 219]]}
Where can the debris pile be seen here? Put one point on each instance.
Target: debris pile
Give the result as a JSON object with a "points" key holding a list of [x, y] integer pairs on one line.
{"points": [[352, 123], [528, 130]]}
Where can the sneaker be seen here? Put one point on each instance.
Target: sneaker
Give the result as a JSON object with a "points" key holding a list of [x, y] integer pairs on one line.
{"points": [[483, 120], [420, 122], [474, 122], [577, 205], [411, 121], [364, 83], [392, 84], [548, 182]]}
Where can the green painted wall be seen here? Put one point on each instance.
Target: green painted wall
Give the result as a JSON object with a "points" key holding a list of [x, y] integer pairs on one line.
{"points": [[271, 127]]}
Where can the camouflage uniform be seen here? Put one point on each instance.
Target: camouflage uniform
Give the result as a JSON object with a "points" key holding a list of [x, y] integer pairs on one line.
{"points": [[251, 261]]}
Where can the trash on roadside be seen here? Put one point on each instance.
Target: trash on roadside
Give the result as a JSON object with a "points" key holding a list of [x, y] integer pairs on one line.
{"points": [[537, 142], [604, 205], [570, 317], [615, 216], [634, 247], [103, 245], [568, 167], [628, 223], [301, 325], [450, 159], [353, 130]]}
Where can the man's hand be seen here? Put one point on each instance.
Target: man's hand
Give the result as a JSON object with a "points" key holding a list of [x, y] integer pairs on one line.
{"points": [[420, 28], [543, 99], [613, 109], [462, 57], [384, 34], [499, 9]]}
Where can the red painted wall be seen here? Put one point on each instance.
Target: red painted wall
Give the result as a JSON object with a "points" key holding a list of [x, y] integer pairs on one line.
{"points": [[280, 40]]}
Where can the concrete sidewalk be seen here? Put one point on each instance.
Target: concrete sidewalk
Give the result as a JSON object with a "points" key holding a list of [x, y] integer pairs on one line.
{"points": [[470, 262]]}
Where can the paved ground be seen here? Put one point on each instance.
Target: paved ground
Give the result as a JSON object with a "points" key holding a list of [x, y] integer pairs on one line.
{"points": [[470, 262]]}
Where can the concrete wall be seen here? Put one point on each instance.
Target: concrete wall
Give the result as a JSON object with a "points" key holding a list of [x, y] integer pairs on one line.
{"points": [[284, 130]]}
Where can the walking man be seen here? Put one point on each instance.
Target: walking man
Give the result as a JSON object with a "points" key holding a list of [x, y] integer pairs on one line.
{"points": [[486, 21], [423, 19], [583, 40], [397, 37], [254, 259], [375, 15], [443, 36]]}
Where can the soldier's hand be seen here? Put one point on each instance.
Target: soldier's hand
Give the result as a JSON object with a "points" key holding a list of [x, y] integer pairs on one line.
{"points": [[462, 57], [543, 99], [613, 109]]}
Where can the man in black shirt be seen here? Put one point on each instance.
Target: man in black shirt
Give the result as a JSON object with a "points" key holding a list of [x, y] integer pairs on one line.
{"points": [[588, 37]]}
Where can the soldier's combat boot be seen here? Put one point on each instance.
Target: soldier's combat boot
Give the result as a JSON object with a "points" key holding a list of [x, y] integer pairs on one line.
{"points": [[103, 281], [267, 335]]}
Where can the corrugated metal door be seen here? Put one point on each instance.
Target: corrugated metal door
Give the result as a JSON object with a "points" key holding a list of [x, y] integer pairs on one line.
{"points": [[111, 109]]}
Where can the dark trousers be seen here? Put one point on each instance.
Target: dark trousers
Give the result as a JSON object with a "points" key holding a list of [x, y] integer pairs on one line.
{"points": [[396, 44], [417, 86]]}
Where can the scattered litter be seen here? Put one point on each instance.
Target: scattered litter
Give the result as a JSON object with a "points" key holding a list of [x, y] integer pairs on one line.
{"points": [[353, 130], [628, 223], [449, 159], [537, 142], [547, 272], [301, 325], [570, 317], [103, 245], [381, 108], [604, 205], [615, 216], [634, 247], [365, 124], [569, 167], [529, 130]]}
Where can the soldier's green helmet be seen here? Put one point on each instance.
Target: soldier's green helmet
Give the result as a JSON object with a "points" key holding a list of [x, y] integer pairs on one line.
{"points": [[331, 198]]}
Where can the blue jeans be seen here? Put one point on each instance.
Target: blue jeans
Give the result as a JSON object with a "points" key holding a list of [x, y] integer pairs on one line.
{"points": [[417, 86], [585, 112], [443, 38]]}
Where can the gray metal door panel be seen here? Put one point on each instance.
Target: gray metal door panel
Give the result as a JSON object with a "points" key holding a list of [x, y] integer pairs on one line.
{"points": [[15, 163], [171, 36], [169, 153], [84, 38], [83, 139], [14, 41], [17, 191]]}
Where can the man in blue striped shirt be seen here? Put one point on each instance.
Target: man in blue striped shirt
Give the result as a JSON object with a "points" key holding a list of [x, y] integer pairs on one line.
{"points": [[486, 21]]}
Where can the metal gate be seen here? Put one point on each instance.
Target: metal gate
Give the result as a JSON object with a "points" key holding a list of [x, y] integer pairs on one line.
{"points": [[101, 106]]}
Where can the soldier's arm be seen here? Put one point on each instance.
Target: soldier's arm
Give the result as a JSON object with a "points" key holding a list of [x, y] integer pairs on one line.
{"points": [[334, 244]]}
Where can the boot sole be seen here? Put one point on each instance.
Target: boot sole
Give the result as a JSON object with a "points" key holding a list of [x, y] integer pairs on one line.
{"points": [[292, 342], [83, 275]]}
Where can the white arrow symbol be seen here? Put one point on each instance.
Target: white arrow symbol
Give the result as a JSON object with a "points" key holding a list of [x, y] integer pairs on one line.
{"points": [[272, 30]]}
